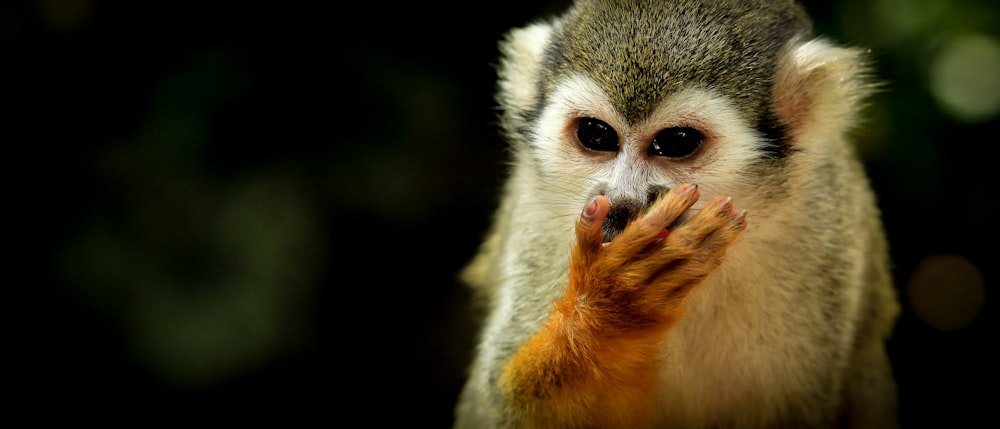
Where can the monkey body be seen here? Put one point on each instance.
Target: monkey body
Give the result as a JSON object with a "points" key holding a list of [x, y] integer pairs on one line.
{"points": [[624, 283]]}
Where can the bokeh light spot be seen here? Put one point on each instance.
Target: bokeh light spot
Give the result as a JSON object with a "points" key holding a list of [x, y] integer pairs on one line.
{"points": [[965, 78], [65, 15], [946, 291]]}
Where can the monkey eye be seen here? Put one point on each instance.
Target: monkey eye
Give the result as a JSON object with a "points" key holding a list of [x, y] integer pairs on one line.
{"points": [[595, 134], [676, 142]]}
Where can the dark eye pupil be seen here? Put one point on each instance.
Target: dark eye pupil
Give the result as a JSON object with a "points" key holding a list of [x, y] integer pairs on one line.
{"points": [[676, 142], [595, 134]]}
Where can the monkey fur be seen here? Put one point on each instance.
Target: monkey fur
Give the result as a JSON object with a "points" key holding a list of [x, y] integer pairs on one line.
{"points": [[686, 238]]}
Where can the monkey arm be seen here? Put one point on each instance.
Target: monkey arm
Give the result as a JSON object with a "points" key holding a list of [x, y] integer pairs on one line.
{"points": [[593, 363]]}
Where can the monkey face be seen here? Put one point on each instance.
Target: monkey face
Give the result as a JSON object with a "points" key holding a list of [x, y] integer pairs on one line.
{"points": [[694, 135]]}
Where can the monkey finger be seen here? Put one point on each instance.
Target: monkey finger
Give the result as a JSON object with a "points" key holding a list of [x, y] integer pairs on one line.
{"points": [[716, 224], [669, 208], [695, 249], [651, 225], [589, 234]]}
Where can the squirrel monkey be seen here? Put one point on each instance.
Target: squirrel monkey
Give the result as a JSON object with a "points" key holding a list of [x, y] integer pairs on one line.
{"points": [[687, 238]]}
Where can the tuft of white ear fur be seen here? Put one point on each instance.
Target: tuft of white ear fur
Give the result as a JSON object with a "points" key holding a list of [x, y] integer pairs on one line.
{"points": [[520, 67], [819, 89]]}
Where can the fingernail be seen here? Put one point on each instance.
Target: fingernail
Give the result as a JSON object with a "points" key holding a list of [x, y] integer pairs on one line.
{"points": [[690, 189], [590, 208]]}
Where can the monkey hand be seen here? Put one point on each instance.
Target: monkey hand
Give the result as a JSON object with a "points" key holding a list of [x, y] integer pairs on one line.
{"points": [[594, 361], [636, 282]]}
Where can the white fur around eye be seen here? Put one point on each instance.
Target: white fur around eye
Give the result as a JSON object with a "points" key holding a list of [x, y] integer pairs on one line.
{"points": [[556, 146], [575, 98], [718, 165], [730, 143]]}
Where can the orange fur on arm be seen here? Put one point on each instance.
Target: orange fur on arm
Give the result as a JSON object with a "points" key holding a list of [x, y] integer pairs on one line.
{"points": [[594, 362], [576, 373]]}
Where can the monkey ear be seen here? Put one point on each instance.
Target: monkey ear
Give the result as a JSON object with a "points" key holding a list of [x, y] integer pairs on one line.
{"points": [[819, 88], [519, 72]]}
